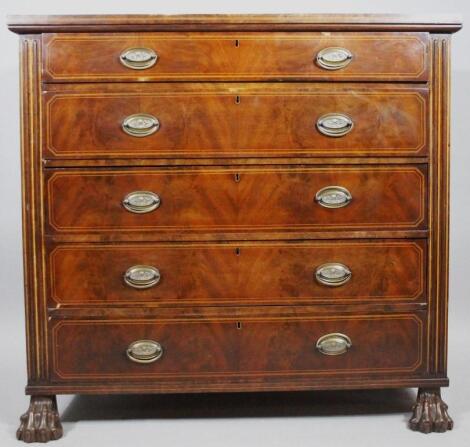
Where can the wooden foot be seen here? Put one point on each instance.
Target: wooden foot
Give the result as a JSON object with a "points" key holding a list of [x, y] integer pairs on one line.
{"points": [[430, 412], [41, 423]]}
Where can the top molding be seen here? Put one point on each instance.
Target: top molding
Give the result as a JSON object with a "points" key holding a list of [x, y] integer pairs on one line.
{"points": [[32, 24]]}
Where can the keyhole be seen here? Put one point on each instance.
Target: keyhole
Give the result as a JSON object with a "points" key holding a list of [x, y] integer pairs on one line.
{"points": [[237, 251], [237, 43], [239, 325], [237, 177], [237, 99]]}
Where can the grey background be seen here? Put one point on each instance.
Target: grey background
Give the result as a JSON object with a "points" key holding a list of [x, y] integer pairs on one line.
{"points": [[304, 419]]}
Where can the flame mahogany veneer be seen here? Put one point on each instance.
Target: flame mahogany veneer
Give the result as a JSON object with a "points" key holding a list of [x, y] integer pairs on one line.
{"points": [[234, 203]]}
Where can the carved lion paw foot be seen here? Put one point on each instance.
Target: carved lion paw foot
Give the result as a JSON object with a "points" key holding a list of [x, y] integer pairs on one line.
{"points": [[41, 423], [430, 413]]}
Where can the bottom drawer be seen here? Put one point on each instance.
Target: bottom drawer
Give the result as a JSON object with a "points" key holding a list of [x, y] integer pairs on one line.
{"points": [[276, 346]]}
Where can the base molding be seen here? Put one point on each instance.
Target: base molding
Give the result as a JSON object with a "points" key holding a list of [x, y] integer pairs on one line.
{"points": [[234, 385]]}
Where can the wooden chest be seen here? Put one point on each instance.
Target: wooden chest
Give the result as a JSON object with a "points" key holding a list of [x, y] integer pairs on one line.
{"points": [[234, 203]]}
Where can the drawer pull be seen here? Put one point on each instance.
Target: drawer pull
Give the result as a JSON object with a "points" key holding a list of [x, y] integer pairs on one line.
{"points": [[333, 274], [334, 58], [138, 58], [144, 351], [140, 125], [141, 202], [334, 344], [334, 124], [333, 197], [142, 276]]}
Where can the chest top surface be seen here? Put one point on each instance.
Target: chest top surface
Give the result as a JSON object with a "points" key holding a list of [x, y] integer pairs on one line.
{"points": [[306, 22]]}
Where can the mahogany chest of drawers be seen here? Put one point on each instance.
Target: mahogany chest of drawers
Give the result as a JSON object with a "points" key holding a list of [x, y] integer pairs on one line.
{"points": [[234, 203]]}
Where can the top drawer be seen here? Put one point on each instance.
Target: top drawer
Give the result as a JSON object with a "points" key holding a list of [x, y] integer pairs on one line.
{"points": [[225, 56]]}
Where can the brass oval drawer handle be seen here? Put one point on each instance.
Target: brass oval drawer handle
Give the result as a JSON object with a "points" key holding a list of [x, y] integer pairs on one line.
{"points": [[335, 124], [334, 344], [144, 351], [333, 274], [141, 202], [334, 58], [138, 58], [142, 276], [333, 197], [140, 125]]}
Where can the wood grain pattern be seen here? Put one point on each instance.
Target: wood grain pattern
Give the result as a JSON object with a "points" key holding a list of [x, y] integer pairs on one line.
{"points": [[248, 56], [204, 120], [238, 273], [262, 199], [238, 235], [382, 344]]}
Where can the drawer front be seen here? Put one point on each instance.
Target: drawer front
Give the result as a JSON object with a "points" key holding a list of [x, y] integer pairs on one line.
{"points": [[236, 121], [227, 56], [372, 345], [225, 199], [246, 273]]}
